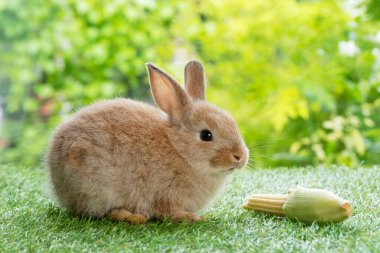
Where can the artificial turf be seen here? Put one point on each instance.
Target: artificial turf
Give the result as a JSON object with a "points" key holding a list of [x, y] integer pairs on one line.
{"points": [[31, 222]]}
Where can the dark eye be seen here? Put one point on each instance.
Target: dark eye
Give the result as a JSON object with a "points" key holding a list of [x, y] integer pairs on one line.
{"points": [[206, 135]]}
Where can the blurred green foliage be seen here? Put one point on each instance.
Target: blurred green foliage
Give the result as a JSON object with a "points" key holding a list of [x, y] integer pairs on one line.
{"points": [[302, 78]]}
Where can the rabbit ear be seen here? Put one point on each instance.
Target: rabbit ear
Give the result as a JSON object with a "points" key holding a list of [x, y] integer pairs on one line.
{"points": [[168, 94], [195, 80]]}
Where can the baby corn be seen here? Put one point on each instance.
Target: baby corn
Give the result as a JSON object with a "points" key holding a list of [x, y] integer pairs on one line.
{"points": [[302, 204]]}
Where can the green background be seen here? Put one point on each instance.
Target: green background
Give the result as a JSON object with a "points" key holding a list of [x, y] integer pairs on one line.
{"points": [[302, 78]]}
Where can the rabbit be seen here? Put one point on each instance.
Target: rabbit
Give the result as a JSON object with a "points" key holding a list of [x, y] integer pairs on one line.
{"points": [[130, 161]]}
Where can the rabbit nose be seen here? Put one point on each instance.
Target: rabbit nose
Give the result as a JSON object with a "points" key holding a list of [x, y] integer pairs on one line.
{"points": [[236, 157]]}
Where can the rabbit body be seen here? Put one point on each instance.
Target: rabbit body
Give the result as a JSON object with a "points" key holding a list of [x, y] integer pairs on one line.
{"points": [[117, 154], [126, 155]]}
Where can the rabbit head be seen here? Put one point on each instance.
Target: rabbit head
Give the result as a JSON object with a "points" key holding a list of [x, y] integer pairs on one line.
{"points": [[204, 135]]}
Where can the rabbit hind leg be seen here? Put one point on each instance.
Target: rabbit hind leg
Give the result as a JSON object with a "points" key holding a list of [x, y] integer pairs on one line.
{"points": [[122, 214]]}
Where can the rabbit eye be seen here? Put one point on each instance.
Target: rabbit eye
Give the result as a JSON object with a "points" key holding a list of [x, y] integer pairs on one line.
{"points": [[206, 135]]}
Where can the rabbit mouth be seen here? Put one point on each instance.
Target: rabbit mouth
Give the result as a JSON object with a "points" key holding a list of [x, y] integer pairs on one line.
{"points": [[227, 171]]}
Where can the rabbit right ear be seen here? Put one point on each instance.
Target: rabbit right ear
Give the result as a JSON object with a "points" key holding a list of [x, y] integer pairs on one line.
{"points": [[168, 94], [195, 80]]}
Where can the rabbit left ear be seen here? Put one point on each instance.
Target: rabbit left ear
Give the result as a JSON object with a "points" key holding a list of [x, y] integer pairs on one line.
{"points": [[168, 94], [195, 80]]}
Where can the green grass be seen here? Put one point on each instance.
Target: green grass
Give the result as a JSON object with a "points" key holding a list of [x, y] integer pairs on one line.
{"points": [[30, 221]]}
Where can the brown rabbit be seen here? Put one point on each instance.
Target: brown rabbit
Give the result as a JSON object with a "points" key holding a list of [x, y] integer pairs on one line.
{"points": [[132, 161]]}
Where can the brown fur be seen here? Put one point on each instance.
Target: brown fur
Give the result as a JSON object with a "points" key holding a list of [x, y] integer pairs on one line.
{"points": [[195, 80], [132, 161]]}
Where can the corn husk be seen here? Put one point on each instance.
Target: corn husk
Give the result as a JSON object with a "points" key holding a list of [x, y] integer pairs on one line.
{"points": [[302, 204]]}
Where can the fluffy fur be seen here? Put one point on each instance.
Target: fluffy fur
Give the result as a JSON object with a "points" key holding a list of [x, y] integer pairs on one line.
{"points": [[133, 161]]}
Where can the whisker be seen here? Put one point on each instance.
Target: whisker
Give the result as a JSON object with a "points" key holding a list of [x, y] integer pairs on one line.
{"points": [[254, 155], [251, 165], [267, 157], [268, 141], [261, 146], [262, 155]]}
